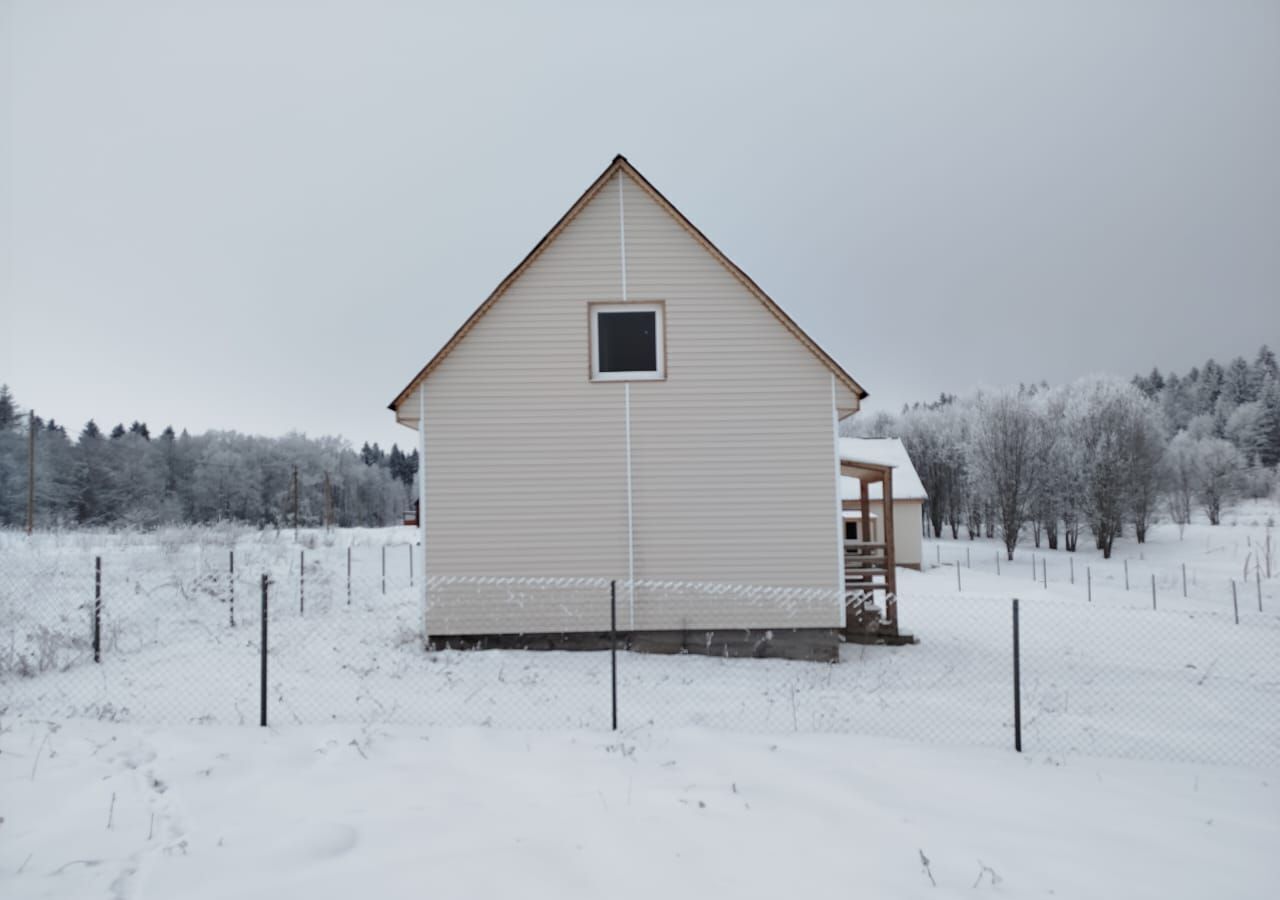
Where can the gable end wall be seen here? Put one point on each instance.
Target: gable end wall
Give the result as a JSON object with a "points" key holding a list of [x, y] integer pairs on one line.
{"points": [[732, 458]]}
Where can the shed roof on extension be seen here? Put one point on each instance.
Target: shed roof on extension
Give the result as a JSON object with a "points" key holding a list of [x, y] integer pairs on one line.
{"points": [[881, 452], [620, 164]]}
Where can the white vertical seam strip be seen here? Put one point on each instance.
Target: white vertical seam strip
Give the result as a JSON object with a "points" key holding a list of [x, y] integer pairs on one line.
{"points": [[835, 441], [631, 537], [626, 401], [622, 236]]}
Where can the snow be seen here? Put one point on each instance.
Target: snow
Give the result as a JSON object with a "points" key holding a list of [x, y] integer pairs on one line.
{"points": [[1151, 737], [853, 515], [1103, 677], [341, 811], [884, 452]]}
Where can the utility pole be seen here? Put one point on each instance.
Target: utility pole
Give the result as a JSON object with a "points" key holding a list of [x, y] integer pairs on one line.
{"points": [[31, 470], [295, 503]]}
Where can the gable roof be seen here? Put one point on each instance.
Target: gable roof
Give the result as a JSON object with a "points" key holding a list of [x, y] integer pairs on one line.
{"points": [[620, 164], [886, 452]]}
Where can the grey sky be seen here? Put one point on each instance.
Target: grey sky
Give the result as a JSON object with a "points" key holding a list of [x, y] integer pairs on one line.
{"points": [[267, 216]]}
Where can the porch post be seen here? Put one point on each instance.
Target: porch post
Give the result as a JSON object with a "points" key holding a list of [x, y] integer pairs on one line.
{"points": [[864, 529], [890, 558]]}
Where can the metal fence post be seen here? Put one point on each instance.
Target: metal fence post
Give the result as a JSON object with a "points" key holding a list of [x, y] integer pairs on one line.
{"points": [[1017, 683], [1184, 579], [262, 701], [384, 569], [97, 609], [1126, 574], [231, 583], [1088, 577], [1071, 562], [613, 648], [958, 588], [968, 563], [997, 562], [1044, 570], [1235, 605], [302, 582], [1153, 590], [1033, 567], [348, 575], [1258, 574], [409, 547]]}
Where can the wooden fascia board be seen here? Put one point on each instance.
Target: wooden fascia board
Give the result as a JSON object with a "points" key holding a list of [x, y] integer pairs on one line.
{"points": [[506, 283], [746, 281], [869, 473]]}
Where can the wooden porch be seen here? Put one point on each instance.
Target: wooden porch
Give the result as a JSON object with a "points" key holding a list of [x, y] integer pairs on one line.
{"points": [[870, 576]]}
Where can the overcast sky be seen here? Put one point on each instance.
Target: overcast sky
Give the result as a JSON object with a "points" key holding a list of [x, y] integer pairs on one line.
{"points": [[267, 216]]}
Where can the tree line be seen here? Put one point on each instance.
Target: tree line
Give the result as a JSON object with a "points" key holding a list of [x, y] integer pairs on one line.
{"points": [[1100, 454], [128, 477]]}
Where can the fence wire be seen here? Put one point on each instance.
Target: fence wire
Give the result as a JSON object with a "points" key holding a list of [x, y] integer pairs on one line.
{"points": [[179, 640]]}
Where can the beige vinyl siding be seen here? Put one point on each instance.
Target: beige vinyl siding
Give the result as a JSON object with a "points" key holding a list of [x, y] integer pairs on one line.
{"points": [[744, 404], [526, 461]]}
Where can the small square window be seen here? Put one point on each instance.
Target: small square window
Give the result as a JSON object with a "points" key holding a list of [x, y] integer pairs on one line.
{"points": [[627, 342]]}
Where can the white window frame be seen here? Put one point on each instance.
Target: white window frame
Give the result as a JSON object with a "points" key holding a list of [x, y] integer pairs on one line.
{"points": [[660, 340]]}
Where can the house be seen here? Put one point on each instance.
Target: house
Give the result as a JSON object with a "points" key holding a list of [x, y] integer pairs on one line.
{"points": [[596, 419], [908, 498]]}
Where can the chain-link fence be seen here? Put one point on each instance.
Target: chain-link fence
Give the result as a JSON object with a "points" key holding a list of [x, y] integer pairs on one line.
{"points": [[175, 634], [1241, 584]]}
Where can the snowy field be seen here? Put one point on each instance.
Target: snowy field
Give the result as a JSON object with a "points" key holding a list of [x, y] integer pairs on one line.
{"points": [[1151, 737], [1110, 676], [1213, 558], [108, 810]]}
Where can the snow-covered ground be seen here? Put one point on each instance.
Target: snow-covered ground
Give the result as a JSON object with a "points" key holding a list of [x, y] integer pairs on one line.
{"points": [[1107, 677], [390, 771], [108, 810], [1213, 556]]}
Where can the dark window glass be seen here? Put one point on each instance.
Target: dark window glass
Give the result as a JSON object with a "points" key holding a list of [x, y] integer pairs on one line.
{"points": [[850, 531], [628, 341]]}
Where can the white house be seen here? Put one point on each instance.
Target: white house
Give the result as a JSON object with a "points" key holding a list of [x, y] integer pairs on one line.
{"points": [[573, 430]]}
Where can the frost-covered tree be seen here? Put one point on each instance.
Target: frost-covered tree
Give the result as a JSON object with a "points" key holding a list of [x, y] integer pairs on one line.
{"points": [[1176, 401], [1208, 387], [1246, 428], [13, 473], [1269, 423], [1106, 433], [1182, 478], [1147, 441], [131, 479], [92, 479], [1061, 487], [1264, 367], [1218, 469], [1005, 452], [1151, 385], [1237, 384], [934, 436], [55, 477]]}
